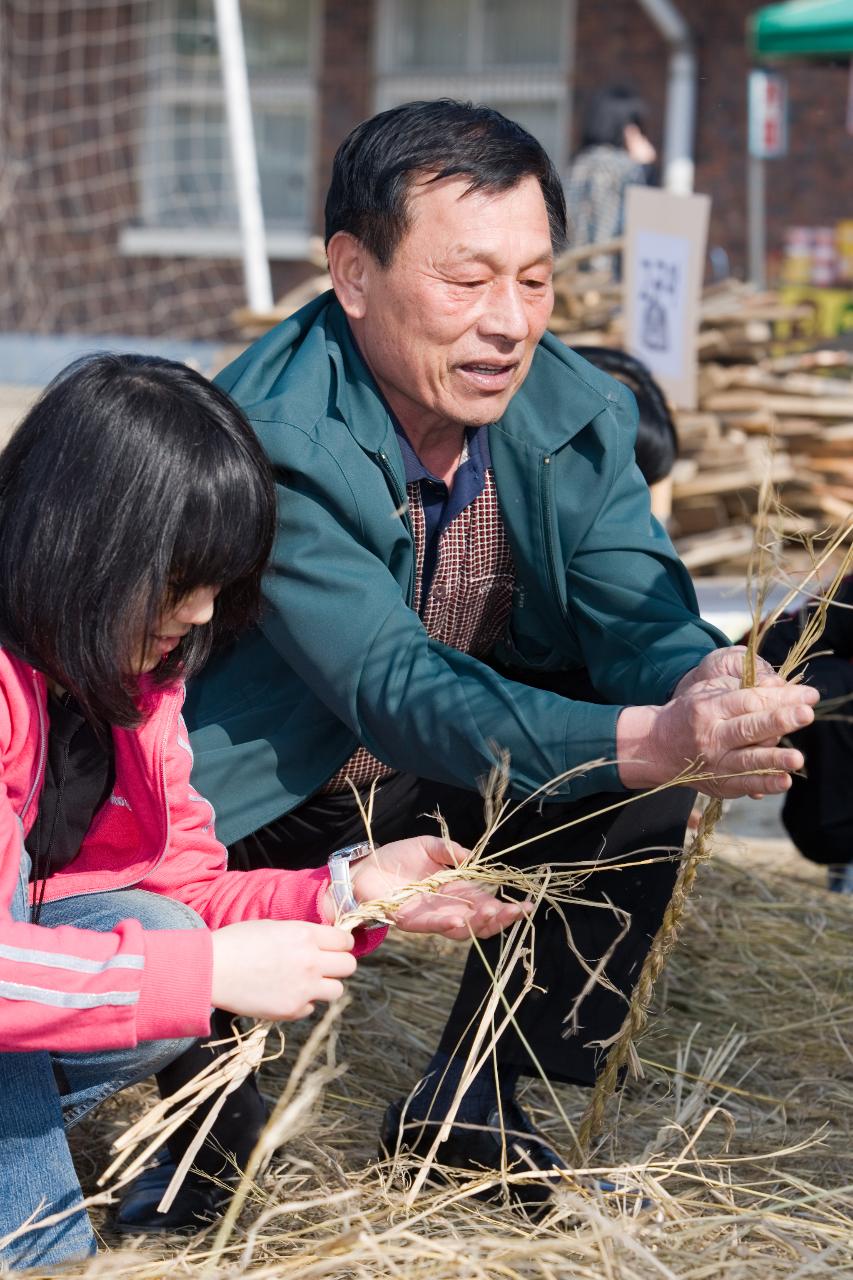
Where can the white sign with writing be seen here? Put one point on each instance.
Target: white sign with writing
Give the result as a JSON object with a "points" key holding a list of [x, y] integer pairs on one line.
{"points": [[665, 238], [768, 115], [662, 271]]}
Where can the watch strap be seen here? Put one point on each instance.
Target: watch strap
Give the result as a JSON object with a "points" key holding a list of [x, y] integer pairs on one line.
{"points": [[340, 876]]}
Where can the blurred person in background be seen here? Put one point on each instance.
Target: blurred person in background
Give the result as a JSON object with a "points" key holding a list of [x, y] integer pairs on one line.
{"points": [[818, 809], [656, 448], [615, 153]]}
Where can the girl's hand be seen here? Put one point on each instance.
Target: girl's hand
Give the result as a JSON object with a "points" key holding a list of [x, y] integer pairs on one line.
{"points": [[454, 911], [278, 968]]}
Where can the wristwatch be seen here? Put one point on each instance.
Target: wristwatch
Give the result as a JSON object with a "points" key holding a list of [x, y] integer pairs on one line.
{"points": [[340, 879]]}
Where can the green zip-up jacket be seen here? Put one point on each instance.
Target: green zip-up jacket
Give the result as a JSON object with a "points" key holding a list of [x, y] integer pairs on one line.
{"points": [[341, 656]]}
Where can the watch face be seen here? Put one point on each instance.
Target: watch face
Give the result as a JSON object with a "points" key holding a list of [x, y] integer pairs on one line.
{"points": [[353, 852]]}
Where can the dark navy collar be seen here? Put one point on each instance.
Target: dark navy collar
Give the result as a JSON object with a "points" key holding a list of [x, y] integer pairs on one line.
{"points": [[479, 454]]}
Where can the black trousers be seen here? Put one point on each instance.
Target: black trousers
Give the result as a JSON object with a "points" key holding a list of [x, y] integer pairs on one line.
{"points": [[818, 810], [619, 916]]}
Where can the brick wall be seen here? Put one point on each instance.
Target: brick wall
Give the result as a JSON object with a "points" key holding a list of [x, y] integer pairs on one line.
{"points": [[68, 184], [346, 82], [73, 93], [812, 185]]}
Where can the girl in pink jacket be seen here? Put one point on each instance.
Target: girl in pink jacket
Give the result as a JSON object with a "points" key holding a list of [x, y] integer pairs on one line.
{"points": [[136, 515]]}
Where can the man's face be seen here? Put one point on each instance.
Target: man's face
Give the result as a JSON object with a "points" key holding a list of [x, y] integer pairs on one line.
{"points": [[450, 326]]}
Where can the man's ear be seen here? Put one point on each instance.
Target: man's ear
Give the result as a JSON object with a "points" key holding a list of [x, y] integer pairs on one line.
{"points": [[349, 268]]}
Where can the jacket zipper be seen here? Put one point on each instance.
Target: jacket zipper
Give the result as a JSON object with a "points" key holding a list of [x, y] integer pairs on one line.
{"points": [[403, 509], [164, 799], [544, 485], [42, 748]]}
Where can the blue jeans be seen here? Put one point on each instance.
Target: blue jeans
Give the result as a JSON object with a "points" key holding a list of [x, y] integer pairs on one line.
{"points": [[43, 1094]]}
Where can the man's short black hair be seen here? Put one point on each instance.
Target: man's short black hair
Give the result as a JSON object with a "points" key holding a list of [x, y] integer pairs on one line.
{"points": [[608, 112], [376, 165]]}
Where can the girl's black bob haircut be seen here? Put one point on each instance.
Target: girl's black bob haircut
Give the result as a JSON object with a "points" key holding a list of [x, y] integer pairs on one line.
{"points": [[131, 482]]}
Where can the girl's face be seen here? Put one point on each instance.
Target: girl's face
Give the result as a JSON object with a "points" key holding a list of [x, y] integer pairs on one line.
{"points": [[176, 620]]}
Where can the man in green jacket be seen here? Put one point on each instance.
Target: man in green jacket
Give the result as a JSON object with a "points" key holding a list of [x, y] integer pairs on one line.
{"points": [[466, 568]]}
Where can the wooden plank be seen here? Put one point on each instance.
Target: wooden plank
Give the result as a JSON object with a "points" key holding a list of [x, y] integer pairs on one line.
{"points": [[571, 257], [844, 492], [15, 400], [835, 500], [837, 432], [249, 321], [707, 549], [731, 480], [800, 384], [797, 406], [824, 358], [825, 466], [701, 514], [788, 525], [695, 425]]}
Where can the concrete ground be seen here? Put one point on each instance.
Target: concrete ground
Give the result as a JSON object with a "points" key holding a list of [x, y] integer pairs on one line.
{"points": [[32, 359]]}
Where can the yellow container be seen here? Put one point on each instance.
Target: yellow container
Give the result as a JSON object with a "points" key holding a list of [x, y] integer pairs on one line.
{"points": [[832, 310], [797, 268], [797, 262], [844, 248]]}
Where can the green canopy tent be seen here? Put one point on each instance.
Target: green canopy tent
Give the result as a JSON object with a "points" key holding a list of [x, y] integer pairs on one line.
{"points": [[803, 29]]}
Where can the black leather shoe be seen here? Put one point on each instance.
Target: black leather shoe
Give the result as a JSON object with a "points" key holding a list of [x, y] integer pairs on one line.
{"points": [[199, 1201], [517, 1147]]}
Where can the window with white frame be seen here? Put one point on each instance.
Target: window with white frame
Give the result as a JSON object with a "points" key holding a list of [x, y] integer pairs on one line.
{"points": [[185, 177], [510, 54]]}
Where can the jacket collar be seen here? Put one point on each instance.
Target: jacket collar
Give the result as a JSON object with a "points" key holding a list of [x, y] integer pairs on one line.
{"points": [[555, 402], [358, 399], [557, 398]]}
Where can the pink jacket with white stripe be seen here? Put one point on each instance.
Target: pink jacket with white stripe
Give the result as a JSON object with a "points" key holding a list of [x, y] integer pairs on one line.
{"points": [[74, 989]]}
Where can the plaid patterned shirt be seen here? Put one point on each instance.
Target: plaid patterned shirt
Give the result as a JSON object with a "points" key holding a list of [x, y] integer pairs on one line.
{"points": [[463, 563]]}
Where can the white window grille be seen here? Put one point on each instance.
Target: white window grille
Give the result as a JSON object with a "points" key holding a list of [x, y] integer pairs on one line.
{"points": [[508, 54], [187, 193]]}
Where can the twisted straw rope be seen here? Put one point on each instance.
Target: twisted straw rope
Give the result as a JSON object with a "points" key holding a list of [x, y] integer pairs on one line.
{"points": [[655, 961], [700, 850]]}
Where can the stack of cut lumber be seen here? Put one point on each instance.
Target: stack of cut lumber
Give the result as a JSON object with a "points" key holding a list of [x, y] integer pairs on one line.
{"points": [[773, 416], [758, 412]]}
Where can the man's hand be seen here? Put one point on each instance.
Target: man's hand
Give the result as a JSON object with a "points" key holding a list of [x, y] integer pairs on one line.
{"points": [[727, 663], [279, 968], [454, 910], [724, 729]]}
